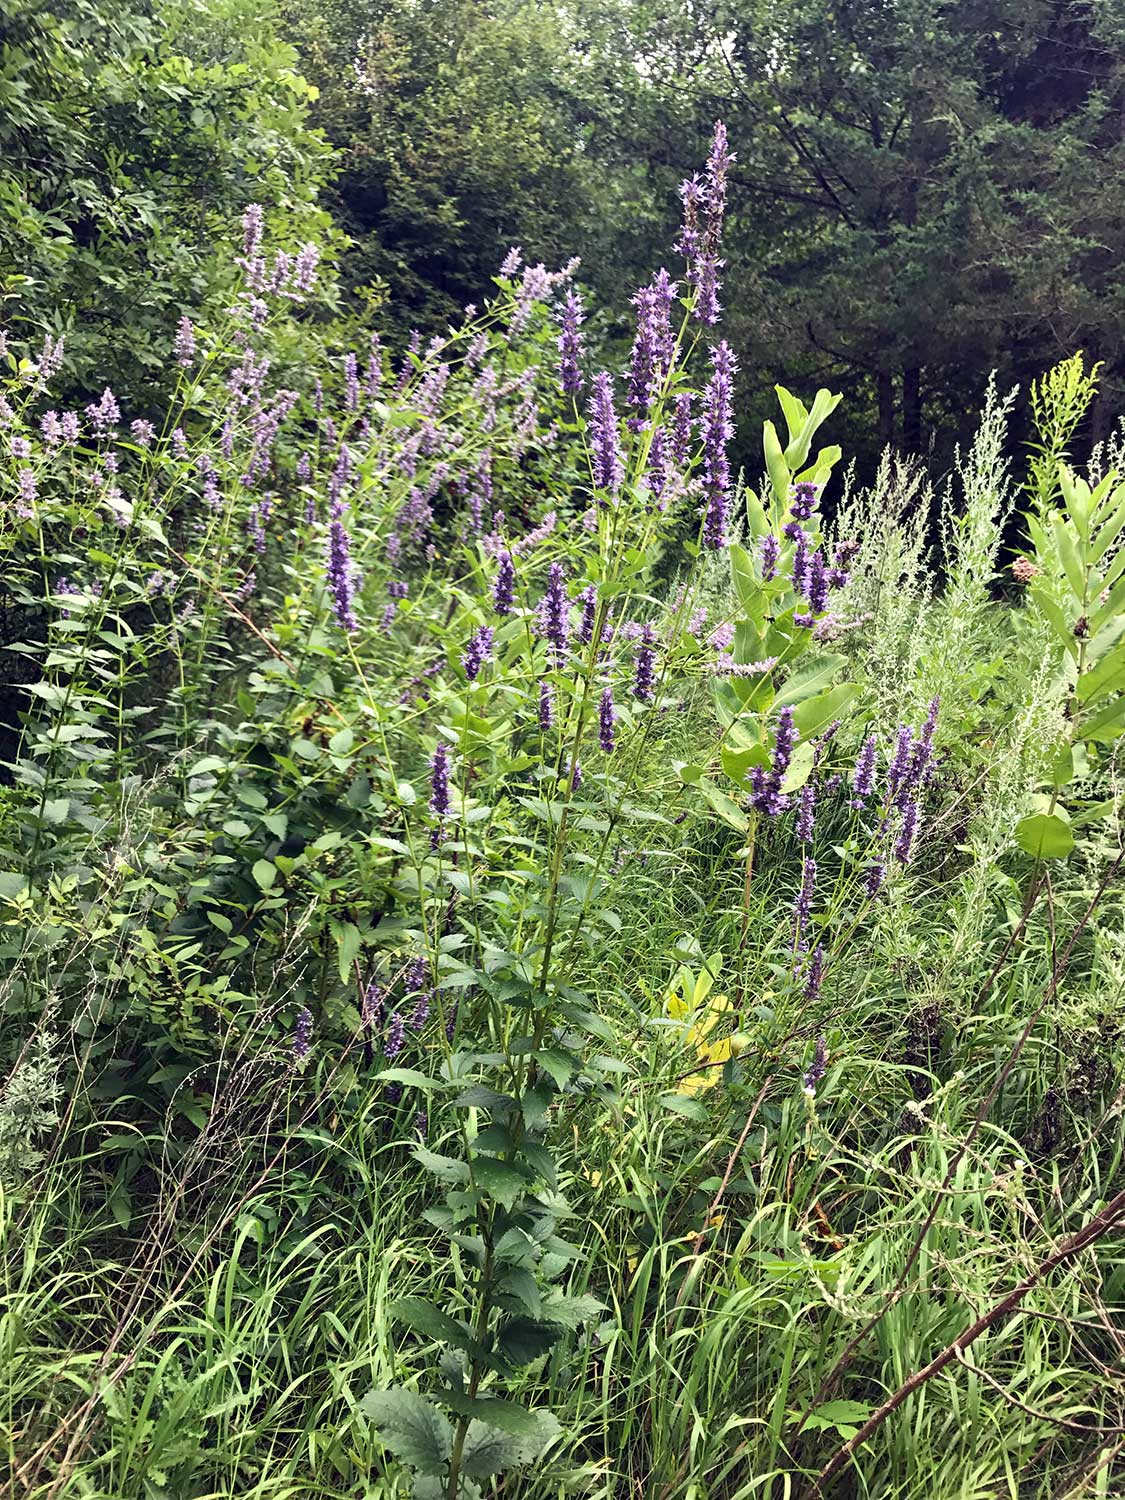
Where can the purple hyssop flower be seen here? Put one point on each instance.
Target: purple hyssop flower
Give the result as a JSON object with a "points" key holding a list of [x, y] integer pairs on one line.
{"points": [[606, 454], [439, 782], [570, 346], [504, 585], [477, 652], [904, 843], [606, 720], [771, 551], [341, 576], [817, 1068], [302, 1035], [652, 346], [554, 613], [766, 794], [717, 428], [863, 779], [804, 501], [874, 876], [546, 706], [183, 346], [371, 1013], [814, 976], [395, 1037], [589, 601], [802, 907], [644, 668], [683, 428], [806, 812]]}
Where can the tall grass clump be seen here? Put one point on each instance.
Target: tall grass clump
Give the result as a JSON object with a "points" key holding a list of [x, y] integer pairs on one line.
{"points": [[531, 967]]}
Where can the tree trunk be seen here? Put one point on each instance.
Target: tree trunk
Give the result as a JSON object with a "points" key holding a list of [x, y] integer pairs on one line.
{"points": [[886, 395], [912, 409]]}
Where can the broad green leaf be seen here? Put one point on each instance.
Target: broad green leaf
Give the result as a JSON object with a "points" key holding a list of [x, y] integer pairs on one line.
{"points": [[1107, 724], [502, 1180], [814, 677], [411, 1427], [1044, 836], [523, 1340], [684, 1104], [444, 1168], [727, 809], [520, 1449], [1054, 616], [1107, 676], [264, 873], [348, 943], [507, 1415], [811, 715], [1068, 556], [776, 466], [571, 1312]]}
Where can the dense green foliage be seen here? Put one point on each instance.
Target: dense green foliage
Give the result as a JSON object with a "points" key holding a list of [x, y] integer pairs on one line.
{"points": [[923, 191], [131, 139], [531, 964]]}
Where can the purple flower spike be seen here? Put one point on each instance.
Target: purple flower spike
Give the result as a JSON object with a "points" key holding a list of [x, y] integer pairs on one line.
{"points": [[717, 430], [440, 801], [570, 346], [873, 877], [504, 585], [802, 907], [804, 501], [589, 600], [806, 812], [341, 575], [644, 669], [814, 975], [682, 428], [771, 551], [421, 1013], [477, 652], [554, 613], [690, 240], [371, 1012], [652, 347], [863, 780], [546, 706], [766, 794], [395, 1037], [608, 469], [904, 843], [183, 346], [818, 1067], [302, 1035], [606, 720], [922, 761], [898, 776]]}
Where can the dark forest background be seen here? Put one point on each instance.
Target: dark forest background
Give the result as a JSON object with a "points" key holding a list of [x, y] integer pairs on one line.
{"points": [[925, 191]]}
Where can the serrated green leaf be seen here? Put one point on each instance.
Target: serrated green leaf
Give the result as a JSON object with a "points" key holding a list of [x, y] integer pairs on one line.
{"points": [[444, 1168], [489, 1450], [571, 1312], [523, 1340], [500, 1179], [507, 1415], [411, 1427]]}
